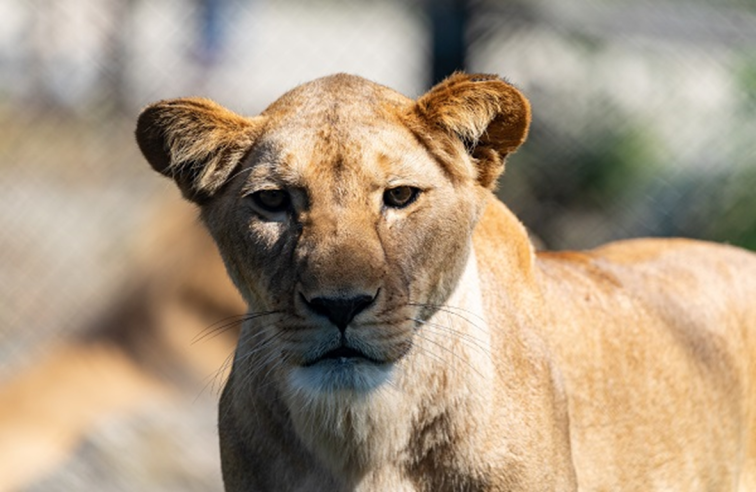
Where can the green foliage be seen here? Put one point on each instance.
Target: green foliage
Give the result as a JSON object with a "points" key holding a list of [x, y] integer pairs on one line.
{"points": [[601, 157], [732, 213], [616, 165]]}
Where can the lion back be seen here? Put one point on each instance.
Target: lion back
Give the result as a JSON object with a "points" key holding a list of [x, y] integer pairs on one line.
{"points": [[657, 342]]}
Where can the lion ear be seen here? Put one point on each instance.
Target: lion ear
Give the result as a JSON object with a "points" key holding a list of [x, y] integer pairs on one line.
{"points": [[196, 142], [487, 114]]}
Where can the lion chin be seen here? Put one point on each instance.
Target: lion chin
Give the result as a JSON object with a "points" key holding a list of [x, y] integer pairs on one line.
{"points": [[404, 335], [341, 374]]}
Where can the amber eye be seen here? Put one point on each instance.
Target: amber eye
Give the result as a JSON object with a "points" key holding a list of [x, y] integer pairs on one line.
{"points": [[400, 197], [272, 200]]}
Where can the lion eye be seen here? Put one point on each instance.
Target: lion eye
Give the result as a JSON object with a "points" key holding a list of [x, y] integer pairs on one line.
{"points": [[400, 197], [272, 200]]}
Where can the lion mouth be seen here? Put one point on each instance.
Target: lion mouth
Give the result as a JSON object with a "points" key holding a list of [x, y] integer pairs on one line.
{"points": [[343, 354]]}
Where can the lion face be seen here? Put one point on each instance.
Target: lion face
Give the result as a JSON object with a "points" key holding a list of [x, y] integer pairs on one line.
{"points": [[343, 212]]}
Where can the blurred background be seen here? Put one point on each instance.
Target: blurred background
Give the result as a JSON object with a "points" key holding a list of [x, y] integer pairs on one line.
{"points": [[644, 123]]}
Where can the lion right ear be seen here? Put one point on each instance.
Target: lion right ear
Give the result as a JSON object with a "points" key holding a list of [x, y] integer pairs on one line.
{"points": [[196, 142], [488, 115]]}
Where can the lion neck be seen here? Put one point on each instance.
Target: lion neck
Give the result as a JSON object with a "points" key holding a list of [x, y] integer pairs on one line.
{"points": [[502, 244]]}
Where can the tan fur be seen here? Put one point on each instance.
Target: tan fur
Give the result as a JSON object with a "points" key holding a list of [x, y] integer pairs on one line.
{"points": [[484, 366]]}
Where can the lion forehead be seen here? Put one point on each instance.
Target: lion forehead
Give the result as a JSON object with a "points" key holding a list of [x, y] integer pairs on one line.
{"points": [[368, 153]]}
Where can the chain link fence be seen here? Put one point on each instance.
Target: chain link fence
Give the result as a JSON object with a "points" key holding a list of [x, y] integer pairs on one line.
{"points": [[644, 124]]}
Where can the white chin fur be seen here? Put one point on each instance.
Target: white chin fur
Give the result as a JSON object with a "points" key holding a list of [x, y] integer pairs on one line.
{"points": [[340, 375]]}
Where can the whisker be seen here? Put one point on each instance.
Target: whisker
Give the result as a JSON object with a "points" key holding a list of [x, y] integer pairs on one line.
{"points": [[246, 338], [424, 351], [259, 348], [224, 324], [218, 328], [466, 338], [451, 352], [454, 311], [213, 380], [446, 307], [265, 381]]}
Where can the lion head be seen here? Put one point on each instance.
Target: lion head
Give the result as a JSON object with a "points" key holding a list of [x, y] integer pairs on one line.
{"points": [[343, 212]]}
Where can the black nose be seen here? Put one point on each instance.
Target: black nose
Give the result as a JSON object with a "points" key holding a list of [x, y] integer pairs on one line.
{"points": [[341, 311]]}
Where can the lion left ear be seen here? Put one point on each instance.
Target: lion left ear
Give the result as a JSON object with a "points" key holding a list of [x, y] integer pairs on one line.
{"points": [[196, 142], [487, 114]]}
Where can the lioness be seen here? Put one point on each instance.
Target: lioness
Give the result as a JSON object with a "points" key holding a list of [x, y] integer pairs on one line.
{"points": [[402, 333]]}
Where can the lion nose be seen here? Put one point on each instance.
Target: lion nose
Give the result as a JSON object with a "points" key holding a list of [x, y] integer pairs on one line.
{"points": [[341, 311]]}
